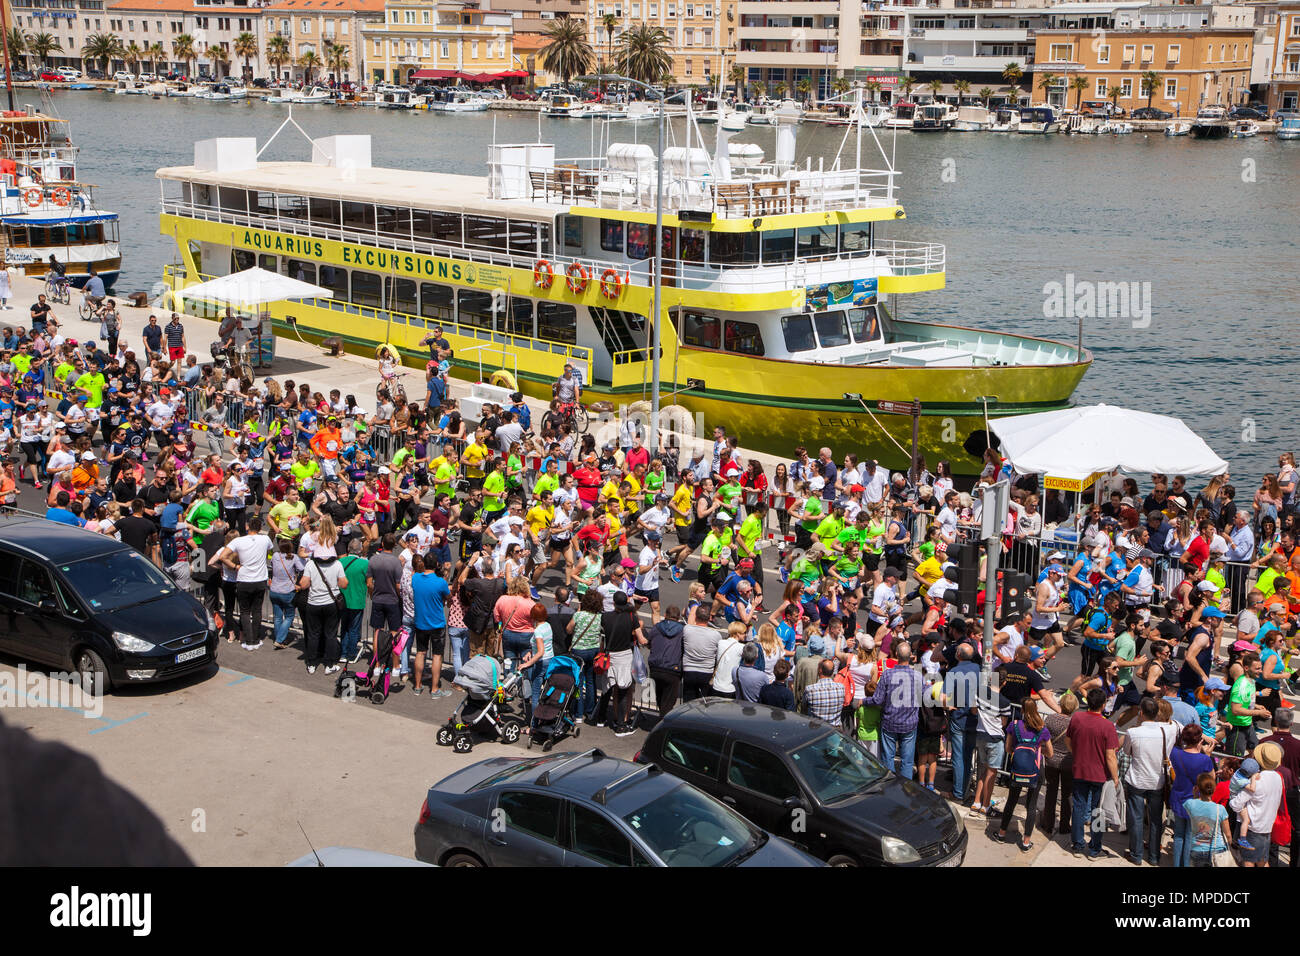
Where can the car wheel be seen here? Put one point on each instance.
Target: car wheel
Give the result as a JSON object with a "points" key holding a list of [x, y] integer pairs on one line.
{"points": [[462, 744], [511, 732], [842, 859], [445, 737], [91, 668], [462, 859]]}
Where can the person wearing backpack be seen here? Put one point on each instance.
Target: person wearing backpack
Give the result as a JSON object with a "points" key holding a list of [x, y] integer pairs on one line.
{"points": [[1029, 741]]}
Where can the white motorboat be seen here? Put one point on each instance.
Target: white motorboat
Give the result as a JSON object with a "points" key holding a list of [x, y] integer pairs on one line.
{"points": [[934, 118], [1115, 128], [736, 118], [901, 117], [219, 91], [458, 101], [238, 91], [605, 111], [129, 88], [1290, 128], [1006, 119], [1245, 129], [561, 106], [1179, 128], [316, 94], [972, 119], [1039, 120]]}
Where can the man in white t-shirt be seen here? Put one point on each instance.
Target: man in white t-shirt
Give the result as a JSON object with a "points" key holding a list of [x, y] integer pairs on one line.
{"points": [[655, 518], [61, 461], [947, 517], [248, 555], [874, 480], [1009, 638], [646, 582], [884, 599], [424, 532]]}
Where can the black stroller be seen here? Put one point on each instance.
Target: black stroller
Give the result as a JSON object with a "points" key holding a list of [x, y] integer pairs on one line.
{"points": [[492, 706], [553, 718]]}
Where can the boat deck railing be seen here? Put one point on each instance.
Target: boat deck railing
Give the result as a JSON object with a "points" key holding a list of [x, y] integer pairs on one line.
{"points": [[761, 189], [901, 257]]}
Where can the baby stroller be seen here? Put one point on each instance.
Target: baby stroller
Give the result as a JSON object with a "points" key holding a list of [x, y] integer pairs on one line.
{"points": [[553, 718], [377, 676], [491, 704]]}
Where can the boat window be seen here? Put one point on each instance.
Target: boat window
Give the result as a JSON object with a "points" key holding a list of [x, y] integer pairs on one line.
{"points": [[855, 238], [572, 232], [326, 212], [234, 200], [475, 308], [670, 242], [611, 236], [336, 280], [831, 329], [734, 249], [449, 227], [817, 241], [743, 338], [523, 236], [401, 295], [302, 271], [18, 236], [692, 245], [640, 237], [557, 322], [489, 233], [778, 245], [519, 316], [699, 330], [395, 221], [798, 332], [292, 207], [864, 325], [367, 289], [269, 264], [358, 215], [437, 302], [264, 203]]}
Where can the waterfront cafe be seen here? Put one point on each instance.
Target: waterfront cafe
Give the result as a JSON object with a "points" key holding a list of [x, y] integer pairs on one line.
{"points": [[509, 79]]}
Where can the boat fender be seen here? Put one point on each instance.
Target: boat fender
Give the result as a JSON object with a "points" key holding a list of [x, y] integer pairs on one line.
{"points": [[386, 349], [543, 274], [503, 379], [611, 284], [32, 196], [62, 196], [577, 277], [678, 420]]}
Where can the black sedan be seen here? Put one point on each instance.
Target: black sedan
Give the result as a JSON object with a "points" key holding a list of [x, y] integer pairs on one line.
{"points": [[586, 809], [81, 601], [1151, 113], [1249, 112], [801, 778]]}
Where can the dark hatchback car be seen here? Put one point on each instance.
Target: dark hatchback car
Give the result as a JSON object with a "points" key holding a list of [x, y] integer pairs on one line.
{"points": [[1151, 113], [586, 809], [800, 778], [84, 602], [1249, 112]]}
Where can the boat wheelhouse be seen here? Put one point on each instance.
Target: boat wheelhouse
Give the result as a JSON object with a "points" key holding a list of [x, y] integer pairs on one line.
{"points": [[45, 210], [1038, 119], [780, 283]]}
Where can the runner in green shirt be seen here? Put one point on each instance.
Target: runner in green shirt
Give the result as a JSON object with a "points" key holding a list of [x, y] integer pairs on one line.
{"points": [[93, 384], [202, 513], [729, 494], [654, 482], [751, 530], [494, 490], [711, 560], [445, 476]]}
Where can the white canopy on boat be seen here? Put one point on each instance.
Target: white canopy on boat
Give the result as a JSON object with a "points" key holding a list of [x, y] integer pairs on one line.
{"points": [[252, 288], [1078, 443]]}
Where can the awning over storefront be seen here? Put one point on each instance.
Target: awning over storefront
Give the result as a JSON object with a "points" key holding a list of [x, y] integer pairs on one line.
{"points": [[468, 77], [436, 75]]}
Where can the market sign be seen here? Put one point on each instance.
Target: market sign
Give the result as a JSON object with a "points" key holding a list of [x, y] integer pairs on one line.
{"points": [[1051, 482]]}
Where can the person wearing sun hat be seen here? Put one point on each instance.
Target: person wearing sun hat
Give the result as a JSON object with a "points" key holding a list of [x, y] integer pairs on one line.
{"points": [[1258, 803]]}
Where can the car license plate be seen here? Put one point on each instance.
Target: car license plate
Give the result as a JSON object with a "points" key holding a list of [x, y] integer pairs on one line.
{"points": [[184, 656], [953, 860]]}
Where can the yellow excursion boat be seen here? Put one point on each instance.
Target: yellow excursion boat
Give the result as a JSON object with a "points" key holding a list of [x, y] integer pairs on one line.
{"points": [[778, 283]]}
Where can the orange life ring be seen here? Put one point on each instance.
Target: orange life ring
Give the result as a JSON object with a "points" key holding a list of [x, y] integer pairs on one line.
{"points": [[577, 277], [33, 196], [543, 274], [62, 196], [611, 284]]}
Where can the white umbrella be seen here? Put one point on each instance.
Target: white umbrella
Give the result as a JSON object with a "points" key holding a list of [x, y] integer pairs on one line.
{"points": [[252, 288], [1077, 443]]}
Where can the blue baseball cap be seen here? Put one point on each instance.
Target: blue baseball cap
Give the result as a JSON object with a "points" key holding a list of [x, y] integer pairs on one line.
{"points": [[1211, 612]]}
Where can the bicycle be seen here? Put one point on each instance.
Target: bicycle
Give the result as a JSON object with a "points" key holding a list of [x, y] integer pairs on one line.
{"points": [[88, 310], [57, 289], [391, 387]]}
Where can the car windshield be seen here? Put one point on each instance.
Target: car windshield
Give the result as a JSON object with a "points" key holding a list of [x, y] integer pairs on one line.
{"points": [[835, 768], [686, 827], [117, 580]]}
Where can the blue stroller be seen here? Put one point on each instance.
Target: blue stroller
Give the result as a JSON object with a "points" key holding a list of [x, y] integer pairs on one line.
{"points": [[553, 718]]}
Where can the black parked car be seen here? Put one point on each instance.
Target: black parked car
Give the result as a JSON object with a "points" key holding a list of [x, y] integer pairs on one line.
{"points": [[586, 809], [1151, 113], [24, 76], [1248, 112], [84, 602], [262, 83], [800, 778], [95, 75]]}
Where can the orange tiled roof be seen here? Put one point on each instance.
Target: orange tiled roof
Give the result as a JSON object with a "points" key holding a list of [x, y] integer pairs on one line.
{"points": [[300, 6], [530, 41], [326, 6]]}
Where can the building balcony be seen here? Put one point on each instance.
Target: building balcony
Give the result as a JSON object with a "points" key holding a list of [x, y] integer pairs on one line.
{"points": [[785, 58], [993, 34], [788, 8], [784, 33], [991, 63]]}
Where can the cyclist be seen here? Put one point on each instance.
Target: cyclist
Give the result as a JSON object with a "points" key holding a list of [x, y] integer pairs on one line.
{"points": [[567, 390], [227, 339], [93, 292], [56, 279]]}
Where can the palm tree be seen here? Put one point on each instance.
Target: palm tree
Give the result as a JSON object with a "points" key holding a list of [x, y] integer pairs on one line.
{"points": [[153, 53], [337, 60], [309, 61], [567, 53], [1013, 95], [936, 87], [963, 89], [103, 47], [1012, 73], [841, 86], [1078, 84], [780, 90], [610, 24], [985, 94], [803, 86], [757, 90], [219, 57], [17, 46], [42, 45], [736, 75], [873, 87], [132, 54], [183, 50], [277, 52], [246, 46], [1149, 80], [1046, 81], [643, 53], [1113, 95], [908, 83]]}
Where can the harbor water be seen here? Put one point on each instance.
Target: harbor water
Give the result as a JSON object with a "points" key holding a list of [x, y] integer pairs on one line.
{"points": [[1202, 234]]}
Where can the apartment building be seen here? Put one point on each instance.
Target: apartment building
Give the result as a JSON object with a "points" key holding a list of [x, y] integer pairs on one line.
{"points": [[1284, 78], [436, 37], [314, 26], [702, 35], [1195, 65]]}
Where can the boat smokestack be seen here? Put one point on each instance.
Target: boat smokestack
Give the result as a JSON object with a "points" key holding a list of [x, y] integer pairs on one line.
{"points": [[787, 119]]}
